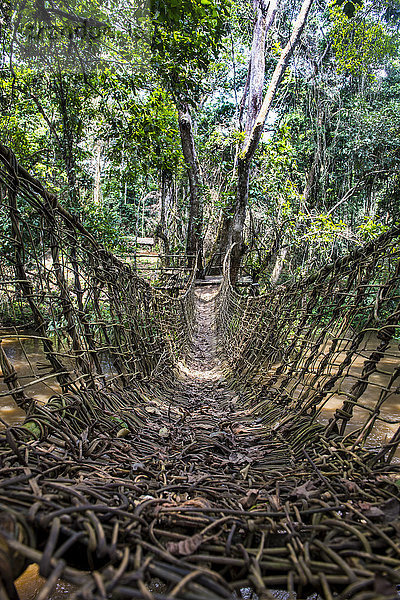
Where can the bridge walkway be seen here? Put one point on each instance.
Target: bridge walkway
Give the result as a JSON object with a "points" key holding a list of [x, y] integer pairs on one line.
{"points": [[185, 455]]}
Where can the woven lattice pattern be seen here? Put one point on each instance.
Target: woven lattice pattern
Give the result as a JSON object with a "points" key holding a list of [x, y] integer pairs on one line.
{"points": [[146, 475], [331, 340], [89, 309]]}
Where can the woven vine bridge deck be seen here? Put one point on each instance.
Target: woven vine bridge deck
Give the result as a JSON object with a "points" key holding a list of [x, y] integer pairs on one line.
{"points": [[198, 445]]}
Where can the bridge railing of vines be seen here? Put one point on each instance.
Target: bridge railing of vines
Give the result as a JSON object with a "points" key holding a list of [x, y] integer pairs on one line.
{"points": [[83, 482], [324, 351], [101, 328]]}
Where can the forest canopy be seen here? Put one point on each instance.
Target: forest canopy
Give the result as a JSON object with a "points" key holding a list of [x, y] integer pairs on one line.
{"points": [[271, 128]]}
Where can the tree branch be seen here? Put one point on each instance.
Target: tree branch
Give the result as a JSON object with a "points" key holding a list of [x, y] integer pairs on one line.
{"points": [[255, 135]]}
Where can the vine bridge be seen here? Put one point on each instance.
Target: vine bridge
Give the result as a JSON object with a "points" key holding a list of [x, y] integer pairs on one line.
{"points": [[197, 446]]}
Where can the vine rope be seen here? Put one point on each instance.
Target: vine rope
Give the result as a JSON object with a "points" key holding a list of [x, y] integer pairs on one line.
{"points": [[126, 484]]}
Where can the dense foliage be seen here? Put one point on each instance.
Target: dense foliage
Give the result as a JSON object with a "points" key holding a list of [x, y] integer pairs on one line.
{"points": [[90, 96]]}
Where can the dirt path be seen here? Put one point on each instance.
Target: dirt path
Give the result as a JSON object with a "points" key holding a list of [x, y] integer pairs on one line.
{"points": [[202, 374], [212, 446], [204, 362]]}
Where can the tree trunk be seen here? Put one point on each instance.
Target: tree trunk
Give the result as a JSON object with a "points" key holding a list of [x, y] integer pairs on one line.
{"points": [[217, 253], [194, 241], [253, 138], [97, 175], [231, 230], [279, 264], [236, 237], [265, 15], [166, 200]]}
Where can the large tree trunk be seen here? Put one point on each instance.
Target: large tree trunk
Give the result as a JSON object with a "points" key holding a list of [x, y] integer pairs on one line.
{"points": [[194, 240], [230, 232], [252, 140], [265, 15]]}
